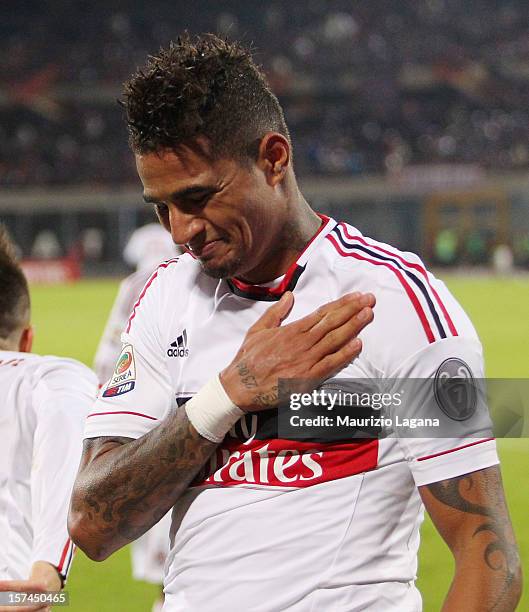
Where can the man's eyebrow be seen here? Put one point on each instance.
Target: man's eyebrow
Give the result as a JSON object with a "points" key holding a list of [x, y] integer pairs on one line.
{"points": [[182, 194]]}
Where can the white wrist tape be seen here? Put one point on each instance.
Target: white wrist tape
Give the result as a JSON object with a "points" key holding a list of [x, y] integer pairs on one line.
{"points": [[211, 411]]}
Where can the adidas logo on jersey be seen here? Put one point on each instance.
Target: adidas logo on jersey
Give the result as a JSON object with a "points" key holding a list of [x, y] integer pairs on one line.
{"points": [[178, 348]]}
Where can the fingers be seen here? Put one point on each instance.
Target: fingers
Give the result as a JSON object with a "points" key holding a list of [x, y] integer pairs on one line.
{"points": [[336, 338], [310, 320], [22, 585], [30, 608], [332, 363], [357, 308], [276, 314]]}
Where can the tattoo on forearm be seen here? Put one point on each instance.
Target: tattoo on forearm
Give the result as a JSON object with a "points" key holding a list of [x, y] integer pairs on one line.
{"points": [[145, 478], [500, 554]]}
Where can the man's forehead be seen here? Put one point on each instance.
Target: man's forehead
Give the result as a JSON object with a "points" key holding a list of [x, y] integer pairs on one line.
{"points": [[174, 169], [185, 159]]}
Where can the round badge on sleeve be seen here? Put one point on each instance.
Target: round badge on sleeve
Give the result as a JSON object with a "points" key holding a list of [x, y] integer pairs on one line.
{"points": [[455, 390]]}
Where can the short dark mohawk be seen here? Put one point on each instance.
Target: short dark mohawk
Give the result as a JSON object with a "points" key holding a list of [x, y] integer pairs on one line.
{"points": [[201, 87]]}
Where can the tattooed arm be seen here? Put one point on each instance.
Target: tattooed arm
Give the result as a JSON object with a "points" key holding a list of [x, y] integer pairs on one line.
{"points": [[471, 515], [125, 486]]}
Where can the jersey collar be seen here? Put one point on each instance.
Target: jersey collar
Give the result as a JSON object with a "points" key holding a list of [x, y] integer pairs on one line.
{"points": [[272, 292]]}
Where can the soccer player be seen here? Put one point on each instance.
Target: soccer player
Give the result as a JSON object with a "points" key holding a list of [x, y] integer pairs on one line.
{"points": [[44, 403], [270, 290], [147, 247]]}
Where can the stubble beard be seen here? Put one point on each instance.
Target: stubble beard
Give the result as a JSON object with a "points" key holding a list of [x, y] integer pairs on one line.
{"points": [[227, 270]]}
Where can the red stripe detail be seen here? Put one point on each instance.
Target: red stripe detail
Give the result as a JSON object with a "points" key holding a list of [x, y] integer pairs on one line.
{"points": [[63, 572], [413, 298], [149, 282], [261, 291], [280, 289], [453, 450], [410, 264], [63, 556], [122, 412]]}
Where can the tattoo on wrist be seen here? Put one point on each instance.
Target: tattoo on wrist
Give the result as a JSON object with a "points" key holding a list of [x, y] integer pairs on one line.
{"points": [[246, 376], [267, 399]]}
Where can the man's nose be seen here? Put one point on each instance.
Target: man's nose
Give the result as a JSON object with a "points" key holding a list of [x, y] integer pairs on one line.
{"points": [[184, 226]]}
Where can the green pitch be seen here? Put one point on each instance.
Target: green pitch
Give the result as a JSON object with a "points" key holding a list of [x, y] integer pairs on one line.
{"points": [[70, 319]]}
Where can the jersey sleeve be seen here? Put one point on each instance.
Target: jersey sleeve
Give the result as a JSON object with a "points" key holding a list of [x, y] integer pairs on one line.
{"points": [[419, 335], [464, 442], [62, 397], [139, 394], [110, 343]]}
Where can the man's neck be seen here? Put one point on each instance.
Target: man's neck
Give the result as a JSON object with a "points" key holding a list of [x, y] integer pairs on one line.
{"points": [[293, 239]]}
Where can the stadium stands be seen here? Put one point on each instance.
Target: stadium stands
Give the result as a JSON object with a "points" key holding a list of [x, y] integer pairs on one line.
{"points": [[367, 88]]}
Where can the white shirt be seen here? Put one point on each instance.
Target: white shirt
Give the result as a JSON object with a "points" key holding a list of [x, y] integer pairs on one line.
{"points": [[44, 403], [277, 524], [110, 343], [146, 248]]}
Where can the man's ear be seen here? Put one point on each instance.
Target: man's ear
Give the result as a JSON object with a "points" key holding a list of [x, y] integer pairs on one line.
{"points": [[274, 157], [26, 340]]}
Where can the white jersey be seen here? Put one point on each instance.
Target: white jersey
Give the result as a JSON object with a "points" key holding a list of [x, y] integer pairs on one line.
{"points": [[275, 524], [145, 249], [110, 343], [149, 245], [148, 552], [44, 404]]}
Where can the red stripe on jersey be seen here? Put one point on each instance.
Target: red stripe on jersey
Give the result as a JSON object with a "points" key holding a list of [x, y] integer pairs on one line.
{"points": [[63, 573], [122, 412], [63, 555], [286, 463], [262, 291], [413, 298], [282, 287], [410, 264], [149, 282], [453, 450]]}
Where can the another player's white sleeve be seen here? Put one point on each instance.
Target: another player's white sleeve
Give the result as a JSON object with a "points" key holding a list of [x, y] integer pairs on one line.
{"points": [[62, 397], [110, 343], [464, 444], [138, 395]]}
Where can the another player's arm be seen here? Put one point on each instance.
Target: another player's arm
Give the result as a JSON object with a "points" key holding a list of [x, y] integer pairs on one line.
{"points": [[471, 515], [63, 396], [43, 578], [125, 486]]}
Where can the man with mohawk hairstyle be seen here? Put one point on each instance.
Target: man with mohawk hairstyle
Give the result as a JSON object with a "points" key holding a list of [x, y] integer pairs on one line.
{"points": [[268, 289], [43, 404]]}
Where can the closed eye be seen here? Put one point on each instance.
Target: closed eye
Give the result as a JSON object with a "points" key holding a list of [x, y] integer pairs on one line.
{"points": [[162, 212], [193, 202], [161, 209]]}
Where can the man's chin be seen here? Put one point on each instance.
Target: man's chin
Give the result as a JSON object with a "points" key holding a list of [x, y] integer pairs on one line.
{"points": [[225, 270]]}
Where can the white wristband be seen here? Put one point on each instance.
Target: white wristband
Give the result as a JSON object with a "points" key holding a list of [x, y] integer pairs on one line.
{"points": [[211, 411]]}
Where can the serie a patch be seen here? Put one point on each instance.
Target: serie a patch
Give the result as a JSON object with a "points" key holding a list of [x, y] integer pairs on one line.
{"points": [[124, 378]]}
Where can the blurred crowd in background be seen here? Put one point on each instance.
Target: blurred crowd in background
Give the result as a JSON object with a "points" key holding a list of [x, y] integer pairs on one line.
{"points": [[371, 86]]}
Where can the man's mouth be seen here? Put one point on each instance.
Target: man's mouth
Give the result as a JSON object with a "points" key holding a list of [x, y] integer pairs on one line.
{"points": [[206, 250]]}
